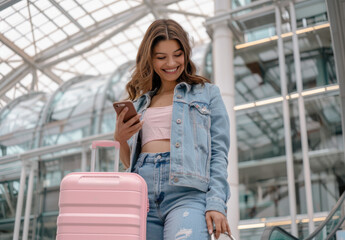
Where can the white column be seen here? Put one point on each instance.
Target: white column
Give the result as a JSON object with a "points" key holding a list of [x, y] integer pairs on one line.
{"points": [[223, 55], [29, 201], [287, 126], [19, 203], [303, 125]]}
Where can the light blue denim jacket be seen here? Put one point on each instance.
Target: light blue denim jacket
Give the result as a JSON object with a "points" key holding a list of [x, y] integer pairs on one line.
{"points": [[199, 143]]}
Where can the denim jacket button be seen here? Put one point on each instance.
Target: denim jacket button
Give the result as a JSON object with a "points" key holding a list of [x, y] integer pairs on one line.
{"points": [[179, 96], [176, 179], [177, 145], [178, 121]]}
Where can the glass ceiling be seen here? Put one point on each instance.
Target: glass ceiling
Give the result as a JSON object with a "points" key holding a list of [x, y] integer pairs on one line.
{"points": [[45, 43]]}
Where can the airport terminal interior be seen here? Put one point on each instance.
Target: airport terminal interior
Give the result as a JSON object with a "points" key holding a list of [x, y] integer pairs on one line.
{"points": [[64, 62]]}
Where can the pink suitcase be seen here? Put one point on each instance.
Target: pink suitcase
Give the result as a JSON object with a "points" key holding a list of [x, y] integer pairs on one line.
{"points": [[102, 205]]}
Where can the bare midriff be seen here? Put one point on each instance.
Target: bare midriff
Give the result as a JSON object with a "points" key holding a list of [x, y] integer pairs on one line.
{"points": [[157, 146]]}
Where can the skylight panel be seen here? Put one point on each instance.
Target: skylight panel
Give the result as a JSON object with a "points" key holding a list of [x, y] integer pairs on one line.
{"points": [[102, 14], [30, 50], [4, 26], [61, 20], [57, 36], [23, 28], [39, 20], [14, 60], [15, 19], [70, 29], [13, 34], [37, 33], [105, 45], [106, 66], [6, 53], [119, 38], [42, 4], [22, 42], [48, 28], [65, 76], [82, 45], [45, 43], [77, 12], [186, 4], [68, 5], [114, 53], [7, 12], [5, 68], [10, 93], [119, 6], [86, 21], [82, 66], [2, 103], [126, 47], [27, 80], [91, 6], [133, 32], [52, 12], [95, 58]]}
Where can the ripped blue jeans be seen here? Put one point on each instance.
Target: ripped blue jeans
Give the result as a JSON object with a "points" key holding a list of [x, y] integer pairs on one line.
{"points": [[176, 212]]}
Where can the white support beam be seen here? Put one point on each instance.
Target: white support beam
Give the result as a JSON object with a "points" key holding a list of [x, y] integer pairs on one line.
{"points": [[29, 59], [96, 44], [11, 79], [66, 14], [91, 32]]}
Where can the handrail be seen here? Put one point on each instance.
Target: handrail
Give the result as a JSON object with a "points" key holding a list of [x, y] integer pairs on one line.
{"points": [[331, 234], [330, 215], [268, 231]]}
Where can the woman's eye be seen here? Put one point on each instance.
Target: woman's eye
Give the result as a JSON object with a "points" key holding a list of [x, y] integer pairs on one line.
{"points": [[178, 55], [160, 58]]}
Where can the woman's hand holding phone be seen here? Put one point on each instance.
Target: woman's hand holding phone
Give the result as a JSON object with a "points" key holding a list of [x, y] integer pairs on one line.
{"points": [[124, 130]]}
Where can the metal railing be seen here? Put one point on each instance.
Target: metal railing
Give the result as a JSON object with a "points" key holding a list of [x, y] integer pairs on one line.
{"points": [[325, 231]]}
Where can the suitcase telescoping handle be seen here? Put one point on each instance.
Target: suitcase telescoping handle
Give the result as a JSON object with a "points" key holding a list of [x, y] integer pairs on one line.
{"points": [[105, 143]]}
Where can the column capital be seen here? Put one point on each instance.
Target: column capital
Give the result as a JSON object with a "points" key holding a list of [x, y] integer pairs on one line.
{"points": [[221, 20]]}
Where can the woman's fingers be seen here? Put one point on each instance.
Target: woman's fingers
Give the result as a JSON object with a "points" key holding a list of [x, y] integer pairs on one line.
{"points": [[209, 223], [228, 230], [123, 113], [135, 128], [133, 120], [220, 222]]}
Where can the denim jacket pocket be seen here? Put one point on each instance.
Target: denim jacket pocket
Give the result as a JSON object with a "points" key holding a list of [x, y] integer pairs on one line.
{"points": [[200, 115], [201, 121]]}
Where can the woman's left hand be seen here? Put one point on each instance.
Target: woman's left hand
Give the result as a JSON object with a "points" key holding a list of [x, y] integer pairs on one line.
{"points": [[220, 222]]}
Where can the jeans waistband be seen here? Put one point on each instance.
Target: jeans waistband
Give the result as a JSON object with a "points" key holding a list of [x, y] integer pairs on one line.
{"points": [[154, 157]]}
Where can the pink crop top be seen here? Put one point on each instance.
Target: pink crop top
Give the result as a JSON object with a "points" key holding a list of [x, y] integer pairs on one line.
{"points": [[157, 124]]}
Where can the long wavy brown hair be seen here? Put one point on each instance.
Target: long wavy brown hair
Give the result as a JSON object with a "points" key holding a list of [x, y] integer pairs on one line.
{"points": [[144, 78]]}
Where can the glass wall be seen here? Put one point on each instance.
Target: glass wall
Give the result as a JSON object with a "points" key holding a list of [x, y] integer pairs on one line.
{"points": [[18, 123], [70, 113], [262, 166], [259, 118]]}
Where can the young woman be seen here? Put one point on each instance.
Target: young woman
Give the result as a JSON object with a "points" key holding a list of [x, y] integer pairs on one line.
{"points": [[180, 146]]}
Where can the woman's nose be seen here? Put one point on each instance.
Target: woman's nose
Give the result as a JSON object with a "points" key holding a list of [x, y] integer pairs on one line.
{"points": [[171, 61]]}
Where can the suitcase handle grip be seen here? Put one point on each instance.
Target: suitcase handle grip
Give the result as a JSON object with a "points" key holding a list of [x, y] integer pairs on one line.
{"points": [[105, 143]]}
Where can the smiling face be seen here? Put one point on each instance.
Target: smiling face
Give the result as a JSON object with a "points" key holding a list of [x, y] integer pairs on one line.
{"points": [[168, 60]]}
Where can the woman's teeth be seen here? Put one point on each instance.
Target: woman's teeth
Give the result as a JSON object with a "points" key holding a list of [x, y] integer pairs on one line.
{"points": [[170, 70]]}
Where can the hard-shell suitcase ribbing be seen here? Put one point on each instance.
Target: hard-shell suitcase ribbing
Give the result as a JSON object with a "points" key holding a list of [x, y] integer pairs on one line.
{"points": [[102, 205]]}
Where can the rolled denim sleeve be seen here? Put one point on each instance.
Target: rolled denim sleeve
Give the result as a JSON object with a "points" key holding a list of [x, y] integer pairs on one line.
{"points": [[218, 192]]}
